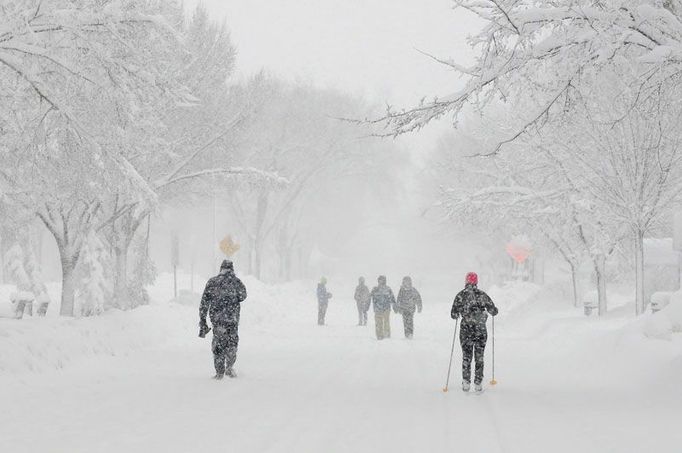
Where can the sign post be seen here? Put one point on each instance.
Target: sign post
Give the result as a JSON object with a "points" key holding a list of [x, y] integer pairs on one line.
{"points": [[519, 249], [175, 260]]}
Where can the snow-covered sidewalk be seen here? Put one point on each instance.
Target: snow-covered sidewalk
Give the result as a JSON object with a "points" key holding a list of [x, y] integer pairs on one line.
{"points": [[565, 385]]}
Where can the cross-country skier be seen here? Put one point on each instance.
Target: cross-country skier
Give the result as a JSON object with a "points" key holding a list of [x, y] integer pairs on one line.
{"points": [[323, 297], [472, 304], [222, 300], [409, 300], [383, 300], [362, 300]]}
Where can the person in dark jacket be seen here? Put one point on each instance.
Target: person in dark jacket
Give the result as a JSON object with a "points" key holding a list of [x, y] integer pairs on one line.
{"points": [[222, 300], [409, 300], [473, 305], [383, 300], [362, 300], [323, 297]]}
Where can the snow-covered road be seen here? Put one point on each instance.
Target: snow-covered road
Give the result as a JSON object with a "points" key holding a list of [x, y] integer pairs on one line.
{"points": [[304, 388]]}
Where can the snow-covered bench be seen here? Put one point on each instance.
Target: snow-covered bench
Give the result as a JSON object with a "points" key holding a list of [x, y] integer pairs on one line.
{"points": [[22, 302], [590, 302]]}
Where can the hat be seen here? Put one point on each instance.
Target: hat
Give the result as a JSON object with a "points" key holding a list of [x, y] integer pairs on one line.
{"points": [[471, 278]]}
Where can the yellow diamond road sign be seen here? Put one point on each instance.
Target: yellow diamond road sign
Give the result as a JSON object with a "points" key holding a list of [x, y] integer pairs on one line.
{"points": [[228, 246]]}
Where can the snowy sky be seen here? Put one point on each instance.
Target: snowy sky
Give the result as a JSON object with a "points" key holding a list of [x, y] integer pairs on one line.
{"points": [[363, 46]]}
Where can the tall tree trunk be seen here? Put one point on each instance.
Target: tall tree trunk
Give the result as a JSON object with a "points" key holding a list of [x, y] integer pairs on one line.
{"points": [[258, 241], [69, 263], [639, 272], [574, 280], [121, 275], [249, 257], [600, 269], [257, 257]]}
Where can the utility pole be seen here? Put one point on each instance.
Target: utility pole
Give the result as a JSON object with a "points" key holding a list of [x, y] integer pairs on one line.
{"points": [[175, 260]]}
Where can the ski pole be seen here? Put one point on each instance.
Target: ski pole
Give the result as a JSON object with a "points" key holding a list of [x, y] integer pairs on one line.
{"points": [[493, 381], [452, 352]]}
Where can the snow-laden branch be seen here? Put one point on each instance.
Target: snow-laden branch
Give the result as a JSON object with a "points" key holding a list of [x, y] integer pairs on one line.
{"points": [[537, 49], [247, 173]]}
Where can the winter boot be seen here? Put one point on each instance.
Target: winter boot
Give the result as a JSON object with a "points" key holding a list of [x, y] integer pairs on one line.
{"points": [[478, 388], [466, 386], [230, 373], [218, 377]]}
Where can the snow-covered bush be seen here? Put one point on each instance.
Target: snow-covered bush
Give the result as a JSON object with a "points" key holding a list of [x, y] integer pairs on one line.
{"points": [[94, 287], [664, 323], [673, 311], [658, 326]]}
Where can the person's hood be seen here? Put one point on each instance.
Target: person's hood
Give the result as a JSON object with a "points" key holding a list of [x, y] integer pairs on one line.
{"points": [[227, 267]]}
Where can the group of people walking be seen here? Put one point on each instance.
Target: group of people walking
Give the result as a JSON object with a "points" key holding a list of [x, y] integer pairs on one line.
{"points": [[383, 300], [224, 293]]}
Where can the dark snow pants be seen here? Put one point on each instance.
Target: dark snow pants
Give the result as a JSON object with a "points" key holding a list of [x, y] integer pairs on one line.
{"points": [[408, 323], [321, 312], [225, 342], [473, 337]]}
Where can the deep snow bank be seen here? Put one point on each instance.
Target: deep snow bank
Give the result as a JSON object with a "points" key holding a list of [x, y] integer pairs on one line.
{"points": [[44, 344], [36, 344], [663, 324]]}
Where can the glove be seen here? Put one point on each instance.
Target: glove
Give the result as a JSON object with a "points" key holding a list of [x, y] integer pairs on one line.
{"points": [[203, 329], [419, 309]]}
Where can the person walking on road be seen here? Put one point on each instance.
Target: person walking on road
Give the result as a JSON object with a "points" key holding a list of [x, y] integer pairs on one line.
{"points": [[323, 297], [473, 306], [222, 300], [383, 300], [362, 300], [409, 300]]}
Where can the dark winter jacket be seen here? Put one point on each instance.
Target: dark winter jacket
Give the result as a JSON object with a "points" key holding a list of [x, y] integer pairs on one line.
{"points": [[222, 298], [323, 295], [409, 299], [472, 304], [383, 298], [362, 296]]}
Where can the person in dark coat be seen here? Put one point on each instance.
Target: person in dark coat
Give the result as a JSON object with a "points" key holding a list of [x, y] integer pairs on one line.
{"points": [[323, 297], [383, 300], [409, 300], [362, 300], [222, 300], [473, 305]]}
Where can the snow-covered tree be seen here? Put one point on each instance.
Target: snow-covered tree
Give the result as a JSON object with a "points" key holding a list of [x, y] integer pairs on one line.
{"points": [[551, 52], [295, 134], [93, 289]]}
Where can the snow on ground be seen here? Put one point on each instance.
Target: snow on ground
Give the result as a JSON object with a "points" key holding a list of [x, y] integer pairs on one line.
{"points": [[140, 381]]}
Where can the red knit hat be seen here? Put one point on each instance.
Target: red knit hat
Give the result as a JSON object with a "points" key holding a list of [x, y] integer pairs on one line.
{"points": [[471, 278]]}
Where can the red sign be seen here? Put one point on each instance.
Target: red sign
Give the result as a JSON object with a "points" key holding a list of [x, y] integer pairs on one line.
{"points": [[518, 252]]}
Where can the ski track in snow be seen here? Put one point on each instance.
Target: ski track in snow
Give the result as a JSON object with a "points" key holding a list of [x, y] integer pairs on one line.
{"points": [[304, 388]]}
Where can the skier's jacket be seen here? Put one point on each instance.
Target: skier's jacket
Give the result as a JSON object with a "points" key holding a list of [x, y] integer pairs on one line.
{"points": [[362, 296], [409, 299], [222, 298], [323, 295], [383, 298], [473, 305]]}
